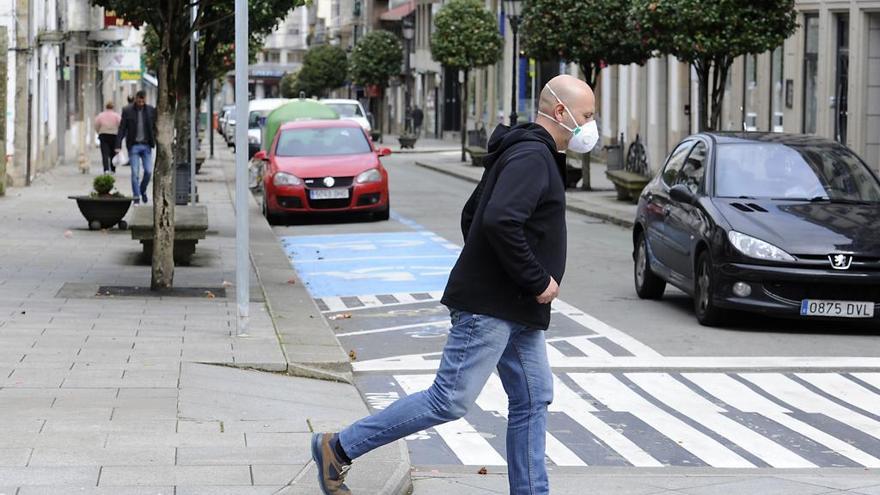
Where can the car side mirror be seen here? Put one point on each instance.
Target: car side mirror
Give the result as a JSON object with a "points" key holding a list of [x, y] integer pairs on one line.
{"points": [[260, 155], [682, 194], [384, 151]]}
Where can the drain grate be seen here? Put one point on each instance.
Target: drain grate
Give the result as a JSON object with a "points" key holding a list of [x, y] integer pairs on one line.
{"points": [[135, 291]]}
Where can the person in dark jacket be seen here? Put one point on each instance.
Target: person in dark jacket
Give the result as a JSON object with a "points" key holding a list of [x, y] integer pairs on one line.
{"points": [[138, 128], [499, 295]]}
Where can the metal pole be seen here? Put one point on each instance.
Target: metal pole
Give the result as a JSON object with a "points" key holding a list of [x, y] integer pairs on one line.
{"points": [[210, 130], [514, 20], [242, 259], [193, 127]]}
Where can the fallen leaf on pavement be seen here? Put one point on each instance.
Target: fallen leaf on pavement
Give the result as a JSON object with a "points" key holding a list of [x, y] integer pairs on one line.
{"points": [[352, 355], [209, 294], [343, 316], [291, 281], [68, 234], [483, 471]]}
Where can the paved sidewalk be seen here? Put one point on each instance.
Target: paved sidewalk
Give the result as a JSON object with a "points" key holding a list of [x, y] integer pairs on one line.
{"points": [[423, 145], [658, 481], [600, 203], [123, 394]]}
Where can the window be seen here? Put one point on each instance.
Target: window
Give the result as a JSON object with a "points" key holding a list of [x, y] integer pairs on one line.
{"points": [[750, 93], [694, 168], [675, 162], [322, 142], [794, 173], [776, 90], [811, 67], [272, 56]]}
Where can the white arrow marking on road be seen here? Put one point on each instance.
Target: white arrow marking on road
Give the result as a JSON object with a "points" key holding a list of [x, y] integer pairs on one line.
{"points": [[679, 397], [464, 440], [617, 396], [739, 396], [493, 398]]}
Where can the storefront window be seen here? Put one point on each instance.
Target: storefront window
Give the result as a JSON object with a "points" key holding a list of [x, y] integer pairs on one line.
{"points": [[811, 59], [777, 84]]}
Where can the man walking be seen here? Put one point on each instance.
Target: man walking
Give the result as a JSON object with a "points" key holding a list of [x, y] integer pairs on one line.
{"points": [[499, 296], [138, 128], [107, 126]]}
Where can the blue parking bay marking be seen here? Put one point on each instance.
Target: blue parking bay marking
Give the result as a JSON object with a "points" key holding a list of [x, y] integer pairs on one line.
{"points": [[359, 264]]}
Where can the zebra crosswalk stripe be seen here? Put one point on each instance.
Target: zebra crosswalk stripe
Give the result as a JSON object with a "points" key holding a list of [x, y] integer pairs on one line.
{"points": [[847, 390], [741, 397], [676, 395], [617, 396], [459, 435], [798, 396]]}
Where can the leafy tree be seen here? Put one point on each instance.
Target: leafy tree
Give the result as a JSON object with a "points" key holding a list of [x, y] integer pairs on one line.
{"points": [[324, 68], [171, 21], [590, 33], [375, 59], [710, 35], [465, 37], [289, 88]]}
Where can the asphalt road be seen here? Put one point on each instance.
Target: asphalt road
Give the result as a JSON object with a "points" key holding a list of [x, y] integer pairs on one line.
{"points": [[637, 383]]}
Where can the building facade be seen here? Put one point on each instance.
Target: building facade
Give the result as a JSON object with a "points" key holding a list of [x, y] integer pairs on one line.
{"points": [[823, 80]]}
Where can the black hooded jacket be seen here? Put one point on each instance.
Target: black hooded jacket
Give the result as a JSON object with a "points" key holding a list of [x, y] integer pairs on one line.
{"points": [[514, 230]]}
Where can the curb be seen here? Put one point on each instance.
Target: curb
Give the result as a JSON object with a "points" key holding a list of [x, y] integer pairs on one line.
{"points": [[310, 347], [606, 217]]}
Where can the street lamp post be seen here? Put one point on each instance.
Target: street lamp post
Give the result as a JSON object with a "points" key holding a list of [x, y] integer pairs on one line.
{"points": [[513, 15], [408, 34]]}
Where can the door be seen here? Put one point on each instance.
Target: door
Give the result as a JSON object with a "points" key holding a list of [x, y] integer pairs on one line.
{"points": [[684, 222], [657, 208], [451, 107]]}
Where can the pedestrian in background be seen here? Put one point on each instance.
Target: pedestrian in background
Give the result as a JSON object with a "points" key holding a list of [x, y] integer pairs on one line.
{"points": [[107, 127], [417, 118], [499, 295], [138, 129]]}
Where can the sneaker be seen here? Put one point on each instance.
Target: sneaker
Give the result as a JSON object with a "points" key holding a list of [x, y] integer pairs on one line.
{"points": [[136, 201], [331, 471], [144, 198]]}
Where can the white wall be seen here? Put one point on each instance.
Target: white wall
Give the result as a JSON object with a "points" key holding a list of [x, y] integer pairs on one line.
{"points": [[872, 148]]}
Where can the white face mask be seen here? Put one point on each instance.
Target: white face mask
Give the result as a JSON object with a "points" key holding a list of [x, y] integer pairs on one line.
{"points": [[583, 137]]}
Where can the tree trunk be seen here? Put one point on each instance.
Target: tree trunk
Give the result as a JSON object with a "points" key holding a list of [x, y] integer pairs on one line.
{"points": [[721, 68], [180, 148], [163, 191], [702, 69], [463, 105]]}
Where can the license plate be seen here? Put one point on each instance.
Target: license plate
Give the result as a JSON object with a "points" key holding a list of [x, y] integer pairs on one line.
{"points": [[328, 193], [837, 309]]}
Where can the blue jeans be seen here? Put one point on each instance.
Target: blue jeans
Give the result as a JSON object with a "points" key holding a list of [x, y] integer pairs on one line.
{"points": [[140, 154], [477, 345]]}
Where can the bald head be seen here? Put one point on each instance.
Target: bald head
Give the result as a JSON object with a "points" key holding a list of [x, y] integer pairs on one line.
{"points": [[572, 93]]}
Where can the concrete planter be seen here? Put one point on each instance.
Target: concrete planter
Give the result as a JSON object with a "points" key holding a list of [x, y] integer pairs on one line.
{"points": [[103, 212], [407, 142]]}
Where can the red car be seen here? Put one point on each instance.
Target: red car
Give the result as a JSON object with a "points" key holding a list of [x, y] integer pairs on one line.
{"points": [[324, 166]]}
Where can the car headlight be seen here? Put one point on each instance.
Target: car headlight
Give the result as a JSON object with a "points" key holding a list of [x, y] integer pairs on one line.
{"points": [[756, 248], [372, 175], [285, 179]]}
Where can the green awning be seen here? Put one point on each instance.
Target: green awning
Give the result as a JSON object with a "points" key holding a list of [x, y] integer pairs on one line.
{"points": [[295, 110]]}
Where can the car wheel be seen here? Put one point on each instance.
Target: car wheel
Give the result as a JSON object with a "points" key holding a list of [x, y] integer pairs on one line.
{"points": [[648, 284], [707, 312], [272, 218], [384, 214]]}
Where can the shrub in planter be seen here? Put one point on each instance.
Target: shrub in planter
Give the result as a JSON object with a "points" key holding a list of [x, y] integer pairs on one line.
{"points": [[103, 207]]}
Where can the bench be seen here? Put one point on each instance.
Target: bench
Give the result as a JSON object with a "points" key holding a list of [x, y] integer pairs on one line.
{"points": [[190, 226], [630, 181], [629, 185], [477, 154]]}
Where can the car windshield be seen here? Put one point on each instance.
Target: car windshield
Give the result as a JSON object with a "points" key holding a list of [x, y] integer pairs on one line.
{"points": [[793, 173], [346, 109], [322, 142]]}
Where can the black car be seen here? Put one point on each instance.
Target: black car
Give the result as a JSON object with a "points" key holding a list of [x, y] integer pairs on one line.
{"points": [[779, 224]]}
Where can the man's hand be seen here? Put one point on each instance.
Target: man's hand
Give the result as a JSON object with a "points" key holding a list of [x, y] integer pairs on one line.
{"points": [[549, 294]]}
